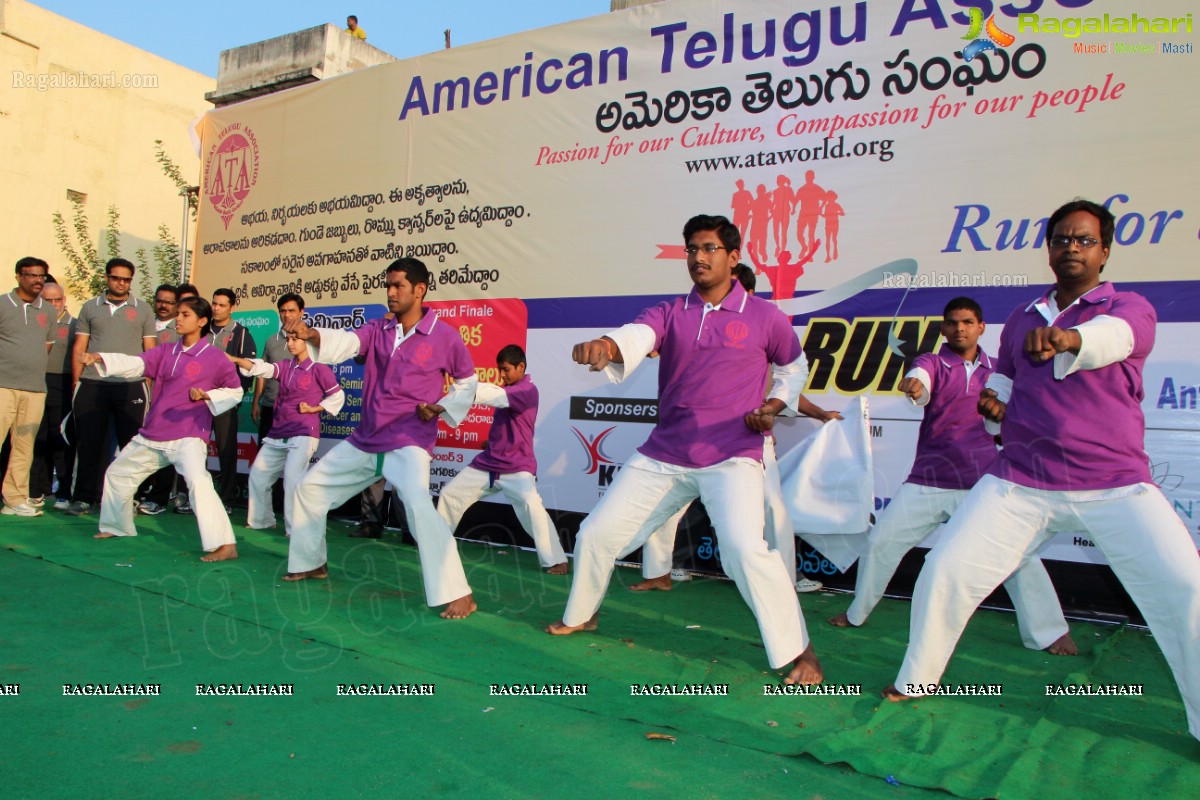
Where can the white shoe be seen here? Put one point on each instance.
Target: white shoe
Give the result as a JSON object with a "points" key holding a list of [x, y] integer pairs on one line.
{"points": [[805, 585], [62, 504], [23, 510], [680, 576], [36, 502]]}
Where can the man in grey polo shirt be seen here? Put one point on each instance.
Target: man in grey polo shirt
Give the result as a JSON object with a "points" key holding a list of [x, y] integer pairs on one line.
{"points": [[114, 322], [26, 333], [54, 455]]}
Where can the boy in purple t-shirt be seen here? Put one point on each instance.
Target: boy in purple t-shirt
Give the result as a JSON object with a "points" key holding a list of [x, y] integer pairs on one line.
{"points": [[717, 346], [306, 388], [1068, 390], [507, 463], [193, 381], [953, 451]]}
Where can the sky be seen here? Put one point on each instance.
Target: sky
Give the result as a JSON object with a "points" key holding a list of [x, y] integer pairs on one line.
{"points": [[194, 34]]}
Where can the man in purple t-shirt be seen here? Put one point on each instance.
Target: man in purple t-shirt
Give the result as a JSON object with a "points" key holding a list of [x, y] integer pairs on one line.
{"points": [[716, 346], [409, 355], [1068, 390], [507, 464], [953, 451]]}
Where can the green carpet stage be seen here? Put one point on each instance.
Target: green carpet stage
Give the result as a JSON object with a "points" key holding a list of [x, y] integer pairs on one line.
{"points": [[146, 611]]}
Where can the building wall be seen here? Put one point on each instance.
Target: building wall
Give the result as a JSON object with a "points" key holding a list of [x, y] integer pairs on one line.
{"points": [[98, 140]]}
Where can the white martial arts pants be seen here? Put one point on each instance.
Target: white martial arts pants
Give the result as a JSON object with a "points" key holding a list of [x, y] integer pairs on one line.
{"points": [[138, 461], [345, 471], [658, 553], [914, 513], [288, 456], [1000, 524], [521, 490], [640, 500]]}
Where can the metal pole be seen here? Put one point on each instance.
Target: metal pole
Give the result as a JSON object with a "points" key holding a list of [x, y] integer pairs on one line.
{"points": [[184, 267]]}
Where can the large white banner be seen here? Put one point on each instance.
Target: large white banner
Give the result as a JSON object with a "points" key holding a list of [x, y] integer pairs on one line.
{"points": [[879, 159]]}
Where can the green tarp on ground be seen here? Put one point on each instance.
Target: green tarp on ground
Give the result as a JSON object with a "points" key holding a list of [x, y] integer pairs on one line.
{"points": [[145, 610]]}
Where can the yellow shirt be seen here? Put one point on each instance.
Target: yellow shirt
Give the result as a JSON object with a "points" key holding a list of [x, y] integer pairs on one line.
{"points": [[357, 33]]}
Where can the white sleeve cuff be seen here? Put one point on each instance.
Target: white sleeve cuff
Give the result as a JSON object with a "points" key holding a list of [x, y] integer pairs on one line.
{"points": [[926, 381], [787, 384], [635, 342], [221, 400], [1104, 340], [336, 347], [332, 404], [491, 395], [119, 365], [1002, 386], [259, 369], [458, 400]]}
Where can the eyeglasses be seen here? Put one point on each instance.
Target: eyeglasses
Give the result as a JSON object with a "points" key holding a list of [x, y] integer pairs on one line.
{"points": [[119, 279], [37, 276], [709, 248], [1084, 242]]}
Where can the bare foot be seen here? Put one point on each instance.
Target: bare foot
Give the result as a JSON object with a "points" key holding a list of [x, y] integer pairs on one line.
{"points": [[226, 552], [1063, 646], [107, 535], [560, 628], [320, 573], [557, 569], [840, 621], [662, 583], [806, 670], [461, 608], [893, 694]]}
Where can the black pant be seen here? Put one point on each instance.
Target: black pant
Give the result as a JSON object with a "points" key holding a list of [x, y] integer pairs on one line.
{"points": [[98, 405], [225, 431], [157, 488], [52, 455], [266, 418]]}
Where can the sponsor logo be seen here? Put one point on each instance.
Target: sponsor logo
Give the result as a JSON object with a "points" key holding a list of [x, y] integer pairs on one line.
{"points": [[599, 464]]}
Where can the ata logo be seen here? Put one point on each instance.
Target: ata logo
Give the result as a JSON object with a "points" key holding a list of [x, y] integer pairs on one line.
{"points": [[598, 461], [193, 370], [423, 353], [737, 331], [231, 170], [131, 314], [980, 44]]}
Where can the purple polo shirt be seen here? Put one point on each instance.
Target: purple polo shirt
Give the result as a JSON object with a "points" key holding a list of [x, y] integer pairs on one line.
{"points": [[953, 449], [397, 381], [1086, 431], [309, 383], [510, 443], [711, 373], [173, 414]]}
